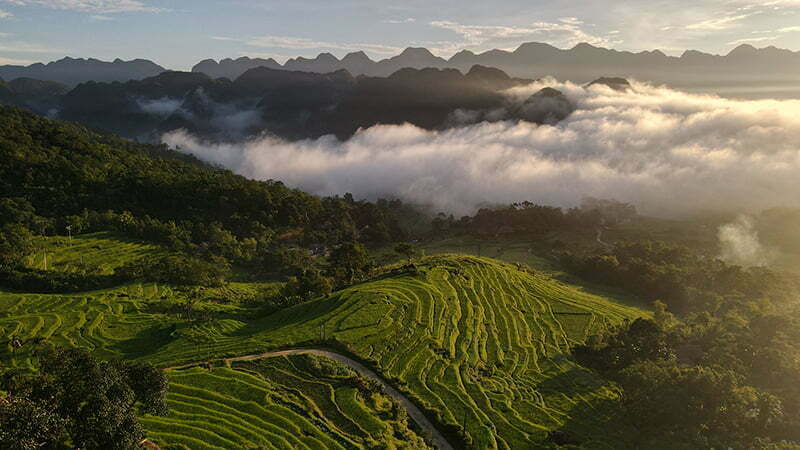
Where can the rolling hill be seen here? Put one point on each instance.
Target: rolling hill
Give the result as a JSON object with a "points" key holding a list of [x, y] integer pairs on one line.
{"points": [[478, 344]]}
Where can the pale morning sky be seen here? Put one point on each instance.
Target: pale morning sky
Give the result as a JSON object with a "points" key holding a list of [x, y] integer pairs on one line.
{"points": [[179, 33]]}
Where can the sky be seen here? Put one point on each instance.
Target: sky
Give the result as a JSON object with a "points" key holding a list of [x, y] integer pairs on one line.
{"points": [[179, 33]]}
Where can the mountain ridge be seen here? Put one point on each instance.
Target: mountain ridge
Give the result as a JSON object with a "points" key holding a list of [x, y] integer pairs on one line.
{"points": [[535, 59], [73, 71], [581, 63]]}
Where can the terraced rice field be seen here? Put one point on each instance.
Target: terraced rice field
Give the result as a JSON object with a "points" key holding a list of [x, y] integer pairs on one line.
{"points": [[297, 402], [113, 323], [478, 343], [481, 345], [98, 252]]}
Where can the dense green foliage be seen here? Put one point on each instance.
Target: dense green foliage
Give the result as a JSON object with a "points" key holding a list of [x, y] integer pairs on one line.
{"points": [[684, 280], [534, 220], [76, 399], [709, 381], [54, 175]]}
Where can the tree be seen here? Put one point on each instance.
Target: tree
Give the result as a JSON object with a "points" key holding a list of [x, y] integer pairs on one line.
{"points": [[93, 403], [407, 250], [309, 284], [25, 425], [349, 261], [16, 242]]}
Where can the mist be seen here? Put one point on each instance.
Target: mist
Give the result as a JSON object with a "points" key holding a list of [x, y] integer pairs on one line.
{"points": [[163, 106], [222, 121], [669, 153], [741, 246]]}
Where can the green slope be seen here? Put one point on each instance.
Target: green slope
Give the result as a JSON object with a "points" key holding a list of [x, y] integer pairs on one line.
{"points": [[95, 252], [478, 343], [285, 402]]}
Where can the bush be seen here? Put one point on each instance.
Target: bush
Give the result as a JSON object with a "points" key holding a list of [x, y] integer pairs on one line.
{"points": [[177, 269]]}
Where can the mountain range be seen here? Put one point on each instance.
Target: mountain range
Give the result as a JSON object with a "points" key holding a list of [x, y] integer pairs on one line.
{"points": [[289, 104], [72, 71], [581, 63]]}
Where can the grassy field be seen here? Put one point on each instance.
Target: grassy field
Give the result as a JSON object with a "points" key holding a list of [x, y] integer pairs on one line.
{"points": [[480, 344], [99, 253], [298, 402]]}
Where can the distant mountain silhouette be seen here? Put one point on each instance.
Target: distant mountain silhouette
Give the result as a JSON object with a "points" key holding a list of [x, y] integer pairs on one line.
{"points": [[582, 63], [616, 83], [296, 105], [233, 68], [71, 71], [39, 96]]}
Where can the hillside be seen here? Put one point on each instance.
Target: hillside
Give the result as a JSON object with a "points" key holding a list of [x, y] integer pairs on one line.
{"points": [[464, 336], [475, 342], [246, 292], [301, 402], [290, 104]]}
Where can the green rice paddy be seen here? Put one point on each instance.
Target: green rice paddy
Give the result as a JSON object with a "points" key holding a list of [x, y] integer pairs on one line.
{"points": [[481, 345]]}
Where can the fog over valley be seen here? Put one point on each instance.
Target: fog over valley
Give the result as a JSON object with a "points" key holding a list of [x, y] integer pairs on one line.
{"points": [[668, 152]]}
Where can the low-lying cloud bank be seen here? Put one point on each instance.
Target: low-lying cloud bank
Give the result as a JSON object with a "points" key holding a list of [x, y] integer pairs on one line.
{"points": [[667, 152]]}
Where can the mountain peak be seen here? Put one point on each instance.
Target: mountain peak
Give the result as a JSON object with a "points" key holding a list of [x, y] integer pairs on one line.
{"points": [[585, 46], [417, 52], [356, 56], [487, 73], [464, 53], [533, 46], [743, 50], [327, 57]]}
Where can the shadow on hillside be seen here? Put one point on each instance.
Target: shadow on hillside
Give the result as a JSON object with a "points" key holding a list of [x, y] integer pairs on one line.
{"points": [[146, 342], [594, 422], [295, 316], [574, 381]]}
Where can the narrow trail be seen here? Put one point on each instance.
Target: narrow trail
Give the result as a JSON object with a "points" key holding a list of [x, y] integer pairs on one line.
{"points": [[600, 239], [436, 438]]}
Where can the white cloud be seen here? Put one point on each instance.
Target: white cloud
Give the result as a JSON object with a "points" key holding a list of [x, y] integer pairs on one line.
{"points": [[100, 18], [668, 152], [5, 14], [226, 39], [93, 6], [25, 47], [571, 20], [307, 44], [399, 21], [717, 24], [566, 32], [747, 40], [15, 62]]}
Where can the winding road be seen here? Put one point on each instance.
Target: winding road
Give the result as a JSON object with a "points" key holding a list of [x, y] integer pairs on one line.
{"points": [[416, 414]]}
